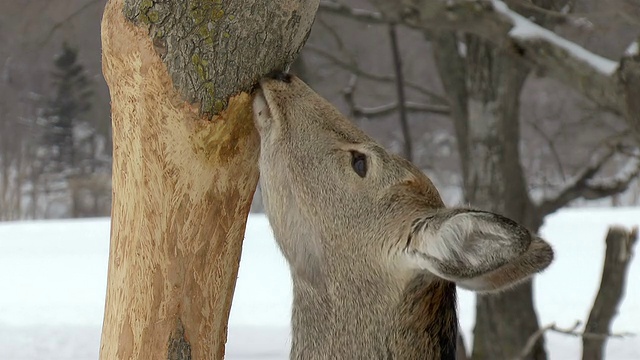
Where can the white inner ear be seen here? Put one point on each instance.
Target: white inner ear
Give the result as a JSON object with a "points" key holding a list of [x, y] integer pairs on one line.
{"points": [[460, 234], [470, 237], [442, 246]]}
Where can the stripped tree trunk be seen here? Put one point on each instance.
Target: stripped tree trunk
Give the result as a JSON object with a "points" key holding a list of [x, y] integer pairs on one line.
{"points": [[185, 156], [620, 243]]}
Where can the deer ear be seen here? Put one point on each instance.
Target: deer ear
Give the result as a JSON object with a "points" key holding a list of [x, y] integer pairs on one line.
{"points": [[477, 250], [537, 257]]}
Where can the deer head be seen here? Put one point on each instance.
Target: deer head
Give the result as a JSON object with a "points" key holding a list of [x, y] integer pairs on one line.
{"points": [[364, 231]]}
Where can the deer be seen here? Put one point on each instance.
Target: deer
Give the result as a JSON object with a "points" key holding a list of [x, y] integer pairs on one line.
{"points": [[374, 254]]}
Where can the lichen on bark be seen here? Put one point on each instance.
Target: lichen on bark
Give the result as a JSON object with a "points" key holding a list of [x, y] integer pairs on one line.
{"points": [[213, 48]]}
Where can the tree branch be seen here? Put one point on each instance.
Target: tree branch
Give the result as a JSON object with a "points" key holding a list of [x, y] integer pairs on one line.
{"points": [[382, 110], [620, 243], [408, 106], [541, 15], [550, 145], [572, 331], [64, 21], [583, 187], [353, 68], [599, 79], [574, 189], [366, 16], [402, 110]]}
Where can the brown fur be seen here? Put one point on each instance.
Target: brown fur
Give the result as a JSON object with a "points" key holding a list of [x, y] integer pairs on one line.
{"points": [[373, 259]]}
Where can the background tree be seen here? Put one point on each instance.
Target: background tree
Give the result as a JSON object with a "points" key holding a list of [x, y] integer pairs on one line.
{"points": [[63, 115], [31, 32], [483, 84], [70, 159]]}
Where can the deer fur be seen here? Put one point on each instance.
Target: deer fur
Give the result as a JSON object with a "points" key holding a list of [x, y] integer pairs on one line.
{"points": [[374, 260]]}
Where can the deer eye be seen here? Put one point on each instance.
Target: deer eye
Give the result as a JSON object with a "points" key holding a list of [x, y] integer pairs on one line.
{"points": [[359, 163]]}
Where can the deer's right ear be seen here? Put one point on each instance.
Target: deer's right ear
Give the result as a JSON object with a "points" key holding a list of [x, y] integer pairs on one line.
{"points": [[477, 250]]}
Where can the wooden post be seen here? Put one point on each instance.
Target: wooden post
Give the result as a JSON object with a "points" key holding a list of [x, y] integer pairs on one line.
{"points": [[185, 163]]}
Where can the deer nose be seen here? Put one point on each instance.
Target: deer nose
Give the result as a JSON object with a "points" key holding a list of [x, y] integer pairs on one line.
{"points": [[280, 76]]}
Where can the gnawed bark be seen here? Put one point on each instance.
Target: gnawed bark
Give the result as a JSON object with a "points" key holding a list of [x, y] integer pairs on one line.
{"points": [[269, 36], [184, 172], [618, 256]]}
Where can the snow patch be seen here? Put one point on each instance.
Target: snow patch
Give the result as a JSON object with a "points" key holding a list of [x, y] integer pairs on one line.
{"points": [[632, 50], [53, 281]]}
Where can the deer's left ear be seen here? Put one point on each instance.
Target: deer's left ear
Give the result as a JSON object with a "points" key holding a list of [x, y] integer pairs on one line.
{"points": [[478, 250]]}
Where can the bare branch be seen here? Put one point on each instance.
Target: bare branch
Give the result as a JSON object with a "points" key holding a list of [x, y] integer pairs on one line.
{"points": [[402, 110], [575, 187], [382, 110], [550, 145], [408, 105], [572, 331], [583, 186], [59, 24], [331, 30], [366, 16], [533, 339], [353, 68]]}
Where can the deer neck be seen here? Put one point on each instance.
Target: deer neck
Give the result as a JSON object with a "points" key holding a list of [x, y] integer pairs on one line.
{"points": [[365, 320]]}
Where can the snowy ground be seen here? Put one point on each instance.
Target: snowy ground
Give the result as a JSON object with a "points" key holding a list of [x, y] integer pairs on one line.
{"points": [[53, 278]]}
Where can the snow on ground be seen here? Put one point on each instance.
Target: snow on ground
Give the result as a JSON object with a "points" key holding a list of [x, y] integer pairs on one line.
{"points": [[53, 278]]}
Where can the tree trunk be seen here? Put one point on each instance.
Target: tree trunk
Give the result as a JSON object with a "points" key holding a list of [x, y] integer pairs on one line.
{"points": [[484, 91], [496, 183], [184, 164], [620, 243]]}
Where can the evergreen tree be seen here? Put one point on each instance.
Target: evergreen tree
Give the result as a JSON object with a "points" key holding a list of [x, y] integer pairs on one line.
{"points": [[65, 131], [71, 154]]}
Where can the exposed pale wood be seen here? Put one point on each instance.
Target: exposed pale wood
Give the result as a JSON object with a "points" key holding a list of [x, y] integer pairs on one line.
{"points": [[183, 181]]}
